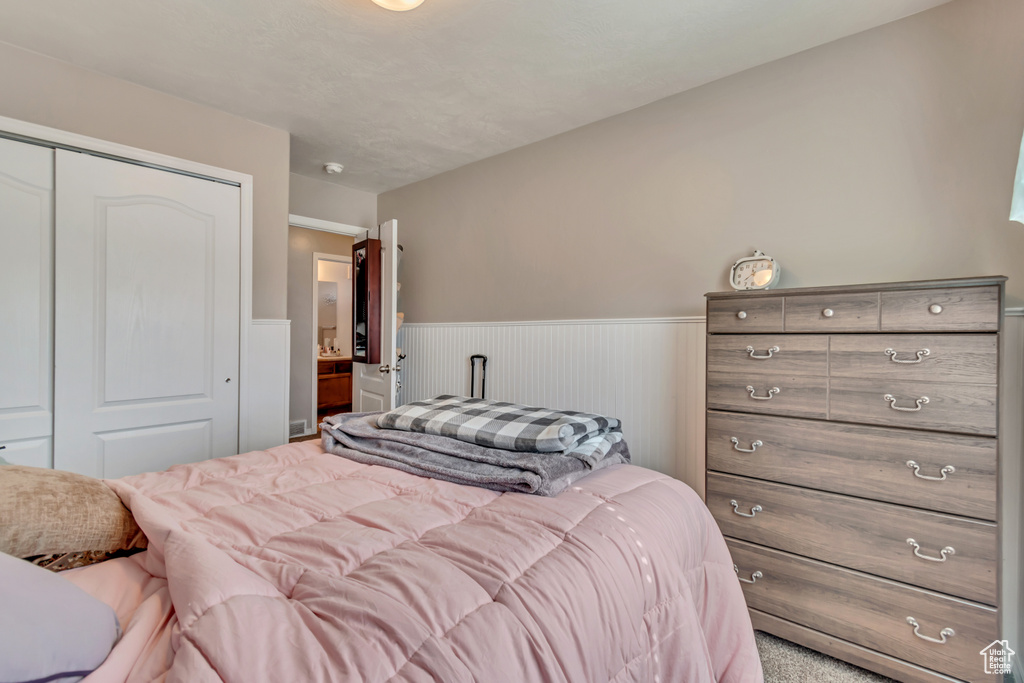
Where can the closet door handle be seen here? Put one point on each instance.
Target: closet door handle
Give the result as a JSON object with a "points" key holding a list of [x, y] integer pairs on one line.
{"points": [[892, 403], [948, 550], [948, 469], [754, 445], [753, 577], [771, 393], [736, 508], [920, 356], [943, 634], [750, 352]]}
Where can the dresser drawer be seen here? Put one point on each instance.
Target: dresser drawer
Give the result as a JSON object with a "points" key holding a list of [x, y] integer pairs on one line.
{"points": [[963, 408], [832, 313], [776, 353], [952, 555], [969, 358], [957, 309], [868, 462], [762, 392], [868, 611], [745, 314]]}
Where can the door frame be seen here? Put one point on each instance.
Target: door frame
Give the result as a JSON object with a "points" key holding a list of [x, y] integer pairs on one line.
{"points": [[317, 257], [322, 226], [32, 133]]}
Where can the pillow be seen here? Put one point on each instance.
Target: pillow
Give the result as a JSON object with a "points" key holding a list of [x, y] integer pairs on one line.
{"points": [[52, 629], [50, 512]]}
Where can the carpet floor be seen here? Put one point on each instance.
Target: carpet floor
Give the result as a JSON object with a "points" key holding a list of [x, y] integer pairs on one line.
{"points": [[786, 662]]}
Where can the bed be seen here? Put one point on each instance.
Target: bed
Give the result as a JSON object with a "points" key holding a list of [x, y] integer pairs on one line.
{"points": [[294, 564]]}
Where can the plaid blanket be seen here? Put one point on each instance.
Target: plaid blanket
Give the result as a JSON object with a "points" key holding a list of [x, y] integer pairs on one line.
{"points": [[496, 424]]}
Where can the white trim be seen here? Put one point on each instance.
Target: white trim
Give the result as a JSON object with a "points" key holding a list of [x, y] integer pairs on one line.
{"points": [[538, 323], [1016, 311], [317, 256], [55, 136], [325, 226]]}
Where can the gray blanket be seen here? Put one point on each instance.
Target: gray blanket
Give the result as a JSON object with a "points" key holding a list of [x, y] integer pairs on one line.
{"points": [[356, 436]]}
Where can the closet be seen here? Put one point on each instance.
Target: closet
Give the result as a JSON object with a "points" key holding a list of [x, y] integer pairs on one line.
{"points": [[119, 313]]}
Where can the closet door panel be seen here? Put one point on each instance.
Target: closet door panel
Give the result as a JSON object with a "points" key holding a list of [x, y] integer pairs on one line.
{"points": [[26, 302], [147, 317]]}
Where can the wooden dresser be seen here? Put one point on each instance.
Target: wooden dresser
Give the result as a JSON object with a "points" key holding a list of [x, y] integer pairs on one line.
{"points": [[852, 465], [334, 383]]}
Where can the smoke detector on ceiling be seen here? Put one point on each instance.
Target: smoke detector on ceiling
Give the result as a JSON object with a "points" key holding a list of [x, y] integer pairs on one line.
{"points": [[333, 168]]}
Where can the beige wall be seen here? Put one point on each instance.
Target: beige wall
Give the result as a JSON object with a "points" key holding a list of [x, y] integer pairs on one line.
{"points": [[328, 201], [52, 93], [888, 155], [302, 244]]}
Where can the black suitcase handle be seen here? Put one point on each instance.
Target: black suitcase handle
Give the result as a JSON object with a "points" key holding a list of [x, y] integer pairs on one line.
{"points": [[483, 375]]}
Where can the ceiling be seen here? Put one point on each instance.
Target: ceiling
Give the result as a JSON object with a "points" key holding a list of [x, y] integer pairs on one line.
{"points": [[400, 96]]}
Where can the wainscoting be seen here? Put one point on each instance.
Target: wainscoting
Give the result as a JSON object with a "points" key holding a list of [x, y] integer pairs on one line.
{"points": [[647, 372], [266, 398]]}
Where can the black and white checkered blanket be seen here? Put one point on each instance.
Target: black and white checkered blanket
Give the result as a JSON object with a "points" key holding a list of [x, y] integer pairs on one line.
{"points": [[497, 424]]}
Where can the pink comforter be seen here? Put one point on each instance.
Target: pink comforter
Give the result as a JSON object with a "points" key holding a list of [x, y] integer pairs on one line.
{"points": [[297, 565]]}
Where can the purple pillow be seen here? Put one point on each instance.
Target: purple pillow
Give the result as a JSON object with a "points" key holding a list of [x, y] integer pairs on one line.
{"points": [[50, 629]]}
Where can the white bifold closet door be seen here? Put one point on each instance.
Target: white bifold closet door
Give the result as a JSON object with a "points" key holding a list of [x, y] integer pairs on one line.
{"points": [[147, 317], [26, 292]]}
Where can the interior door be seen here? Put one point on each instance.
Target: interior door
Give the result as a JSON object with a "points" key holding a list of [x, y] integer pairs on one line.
{"points": [[26, 303], [373, 386], [147, 316]]}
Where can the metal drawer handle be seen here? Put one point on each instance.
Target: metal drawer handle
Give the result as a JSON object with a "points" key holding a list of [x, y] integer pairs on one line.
{"points": [[753, 577], [948, 550], [943, 634], [771, 392], [920, 356], [742, 315], [754, 445], [750, 350], [948, 469], [828, 313], [735, 508], [892, 403]]}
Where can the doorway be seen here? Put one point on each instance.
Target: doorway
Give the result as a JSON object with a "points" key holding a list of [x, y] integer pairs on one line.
{"points": [[332, 330], [308, 240]]}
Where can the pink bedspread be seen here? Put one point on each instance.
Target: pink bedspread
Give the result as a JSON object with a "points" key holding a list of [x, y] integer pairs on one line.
{"points": [[297, 565]]}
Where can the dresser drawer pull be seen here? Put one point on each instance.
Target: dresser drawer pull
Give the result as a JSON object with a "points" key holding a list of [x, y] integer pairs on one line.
{"points": [[771, 392], [943, 634], [828, 313], [753, 577], [753, 511], [754, 445], [892, 403], [750, 350], [948, 550], [948, 469], [920, 356], [742, 315], [935, 309]]}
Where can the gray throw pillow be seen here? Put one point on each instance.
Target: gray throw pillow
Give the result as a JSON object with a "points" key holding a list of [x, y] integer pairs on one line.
{"points": [[51, 629]]}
